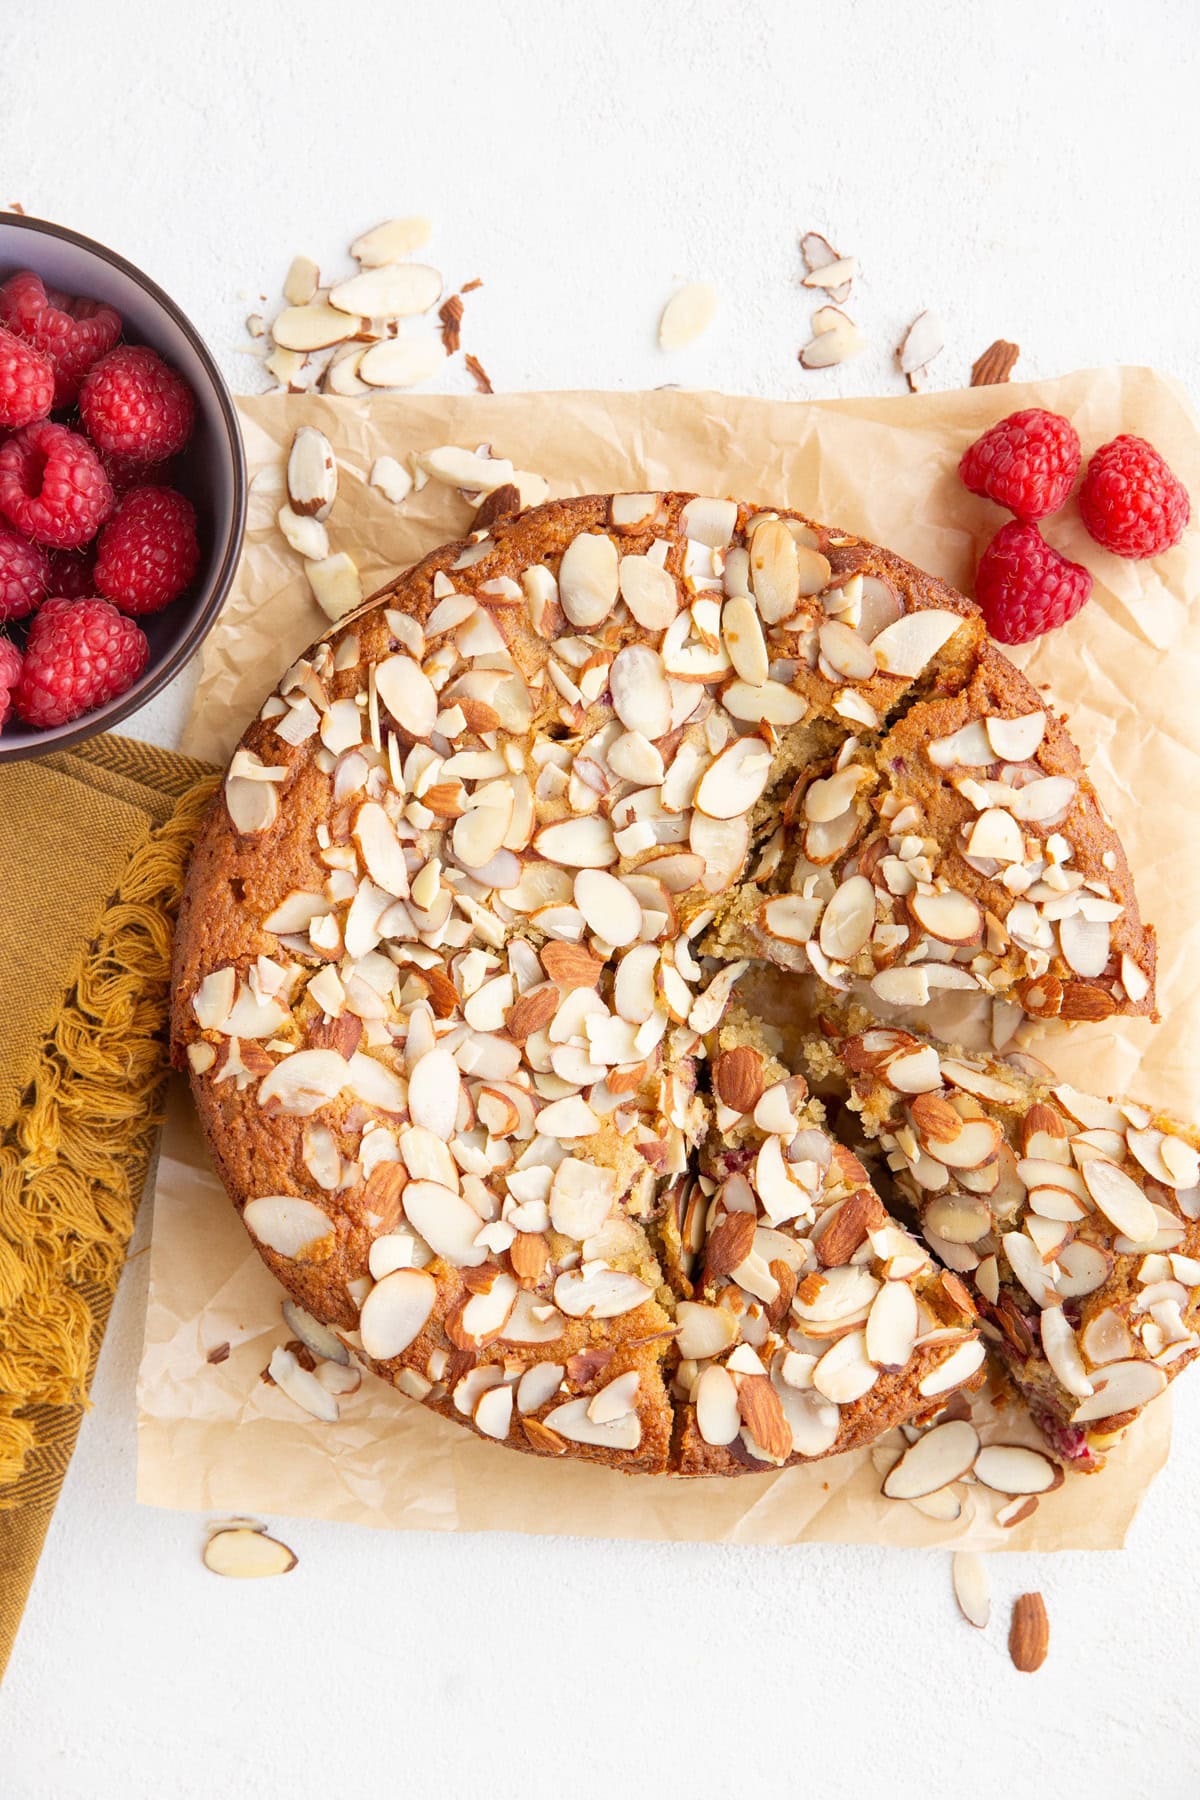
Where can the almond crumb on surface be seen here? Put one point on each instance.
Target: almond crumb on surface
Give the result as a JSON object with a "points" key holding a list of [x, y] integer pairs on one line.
{"points": [[450, 312], [218, 1354], [479, 374], [996, 363]]}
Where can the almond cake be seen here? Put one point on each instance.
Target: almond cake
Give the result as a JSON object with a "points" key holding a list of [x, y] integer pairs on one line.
{"points": [[458, 962]]}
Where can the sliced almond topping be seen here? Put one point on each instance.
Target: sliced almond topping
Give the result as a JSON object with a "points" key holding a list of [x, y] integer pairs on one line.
{"points": [[290, 1226], [571, 1420], [997, 835], [951, 917], [407, 692], [1120, 1199], [1016, 740], [742, 630], [580, 843], [907, 646], [648, 589], [846, 651], [848, 920], [1062, 1352], [710, 521], [641, 694], [717, 1417], [1120, 1387], [775, 571], [588, 578], [301, 1386], [892, 1326], [395, 1312], [609, 908], [1086, 944], [734, 782], [380, 848]]}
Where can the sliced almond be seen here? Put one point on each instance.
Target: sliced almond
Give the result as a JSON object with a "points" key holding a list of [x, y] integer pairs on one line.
{"points": [[649, 591], [302, 1387], [687, 315], [971, 1588], [1120, 1199], [1016, 740], [775, 571], [388, 291], [312, 474], [391, 478], [286, 1224], [734, 781], [336, 584], [316, 326], [247, 1554], [395, 1312], [301, 281], [588, 578], [922, 342], [401, 362], [1013, 1469], [717, 1417], [388, 242], [1120, 1387], [937, 1458], [306, 536], [641, 694], [905, 647]]}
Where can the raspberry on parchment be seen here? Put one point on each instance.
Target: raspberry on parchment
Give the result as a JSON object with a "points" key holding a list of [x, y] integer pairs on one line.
{"points": [[1130, 501], [1027, 462], [1024, 587]]}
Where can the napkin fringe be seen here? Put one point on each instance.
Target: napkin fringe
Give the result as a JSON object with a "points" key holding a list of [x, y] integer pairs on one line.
{"points": [[88, 1117]]}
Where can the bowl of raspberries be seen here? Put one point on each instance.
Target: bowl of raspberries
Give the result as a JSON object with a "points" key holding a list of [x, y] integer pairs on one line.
{"points": [[122, 488]]}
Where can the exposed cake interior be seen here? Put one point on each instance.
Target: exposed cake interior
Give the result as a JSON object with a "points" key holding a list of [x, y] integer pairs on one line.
{"points": [[1074, 1221]]}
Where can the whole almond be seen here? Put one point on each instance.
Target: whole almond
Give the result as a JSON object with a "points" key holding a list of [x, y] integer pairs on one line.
{"points": [[739, 1078], [1080, 1000], [729, 1243], [849, 1227], [585, 1365], [570, 965], [443, 995], [1029, 1633], [763, 1416], [532, 1012], [935, 1118], [543, 1437]]}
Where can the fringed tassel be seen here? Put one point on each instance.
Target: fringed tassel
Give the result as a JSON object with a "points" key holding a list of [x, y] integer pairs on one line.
{"points": [[71, 1166]]}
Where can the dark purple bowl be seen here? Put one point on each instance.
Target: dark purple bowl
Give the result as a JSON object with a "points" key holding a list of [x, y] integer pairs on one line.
{"points": [[211, 471]]}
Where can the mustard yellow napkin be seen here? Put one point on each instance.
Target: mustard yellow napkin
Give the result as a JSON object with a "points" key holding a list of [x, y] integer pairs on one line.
{"points": [[93, 844]]}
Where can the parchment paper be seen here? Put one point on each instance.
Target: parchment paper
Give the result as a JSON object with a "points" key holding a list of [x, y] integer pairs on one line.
{"points": [[1127, 674]]}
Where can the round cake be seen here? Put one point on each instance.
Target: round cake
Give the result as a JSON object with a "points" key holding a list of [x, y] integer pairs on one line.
{"points": [[460, 958]]}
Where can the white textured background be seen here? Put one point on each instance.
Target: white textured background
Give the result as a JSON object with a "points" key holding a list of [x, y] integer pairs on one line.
{"points": [[1027, 169]]}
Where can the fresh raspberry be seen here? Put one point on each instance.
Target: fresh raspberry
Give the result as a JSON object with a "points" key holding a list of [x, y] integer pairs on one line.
{"points": [[1024, 587], [134, 405], [10, 674], [1130, 501], [72, 573], [24, 575], [1027, 463], [73, 334], [80, 654], [26, 381], [126, 472], [147, 553], [52, 487]]}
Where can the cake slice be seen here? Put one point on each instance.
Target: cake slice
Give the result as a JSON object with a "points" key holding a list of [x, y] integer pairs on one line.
{"points": [[814, 1321], [958, 855], [1074, 1221]]}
